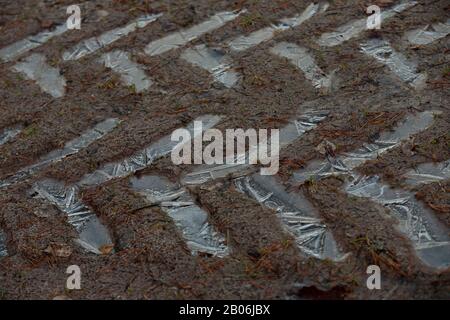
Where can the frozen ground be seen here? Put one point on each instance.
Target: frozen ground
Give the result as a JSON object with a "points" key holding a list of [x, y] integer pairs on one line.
{"points": [[85, 171]]}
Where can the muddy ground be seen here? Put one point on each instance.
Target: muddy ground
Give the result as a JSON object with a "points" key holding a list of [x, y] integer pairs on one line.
{"points": [[151, 260]]}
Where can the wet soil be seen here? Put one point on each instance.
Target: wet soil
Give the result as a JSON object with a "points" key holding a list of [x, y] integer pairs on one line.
{"points": [[150, 259]]}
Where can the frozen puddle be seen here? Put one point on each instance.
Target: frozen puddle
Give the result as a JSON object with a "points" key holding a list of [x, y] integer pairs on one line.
{"points": [[143, 158], [35, 68], [190, 219], [296, 214], [382, 51], [130, 72], [300, 57], [181, 38], [93, 236], [220, 65], [91, 45], [288, 134], [3, 249], [71, 147], [429, 33], [9, 134], [242, 43], [347, 162], [15, 50], [428, 173], [355, 28], [429, 237], [214, 61]]}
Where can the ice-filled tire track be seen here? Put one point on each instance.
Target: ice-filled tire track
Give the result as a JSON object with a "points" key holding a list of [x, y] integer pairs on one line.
{"points": [[241, 165], [91, 45], [72, 147], [220, 65], [354, 28], [297, 215], [426, 173], [429, 237], [9, 134], [93, 235], [191, 220]]}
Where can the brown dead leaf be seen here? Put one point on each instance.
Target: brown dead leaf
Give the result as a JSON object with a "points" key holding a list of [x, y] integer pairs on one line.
{"points": [[60, 250], [106, 249]]}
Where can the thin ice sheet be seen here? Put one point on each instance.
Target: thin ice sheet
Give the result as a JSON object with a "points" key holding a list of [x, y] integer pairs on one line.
{"points": [[17, 49], [89, 46], [406, 70], [429, 236], [246, 42], [191, 220], [356, 27], [131, 73], [214, 61], [428, 33], [9, 134], [181, 38], [302, 59], [93, 236], [144, 157], [345, 163], [297, 215], [428, 173], [70, 148], [49, 79], [241, 166]]}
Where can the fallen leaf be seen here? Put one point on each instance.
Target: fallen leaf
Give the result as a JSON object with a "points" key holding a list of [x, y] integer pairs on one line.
{"points": [[106, 249], [59, 250]]}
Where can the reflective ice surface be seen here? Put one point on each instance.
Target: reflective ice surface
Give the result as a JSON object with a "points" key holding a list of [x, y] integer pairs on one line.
{"points": [[246, 42], [8, 134], [35, 68], [190, 219], [181, 38], [356, 27], [288, 134], [93, 236], [429, 33], [16, 49], [303, 60], [428, 173], [130, 72], [406, 70], [348, 161], [296, 214], [214, 61], [91, 45], [143, 158], [430, 238], [70, 148]]}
